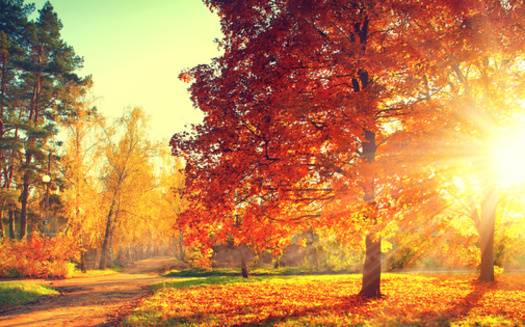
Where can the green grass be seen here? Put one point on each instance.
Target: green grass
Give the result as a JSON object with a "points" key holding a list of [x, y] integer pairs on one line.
{"points": [[18, 293], [257, 272], [215, 280], [96, 272], [116, 269]]}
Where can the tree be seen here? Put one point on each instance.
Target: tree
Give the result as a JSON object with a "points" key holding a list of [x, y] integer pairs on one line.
{"points": [[36, 66], [318, 130], [171, 201], [48, 66], [13, 22], [78, 165], [475, 84], [128, 174]]}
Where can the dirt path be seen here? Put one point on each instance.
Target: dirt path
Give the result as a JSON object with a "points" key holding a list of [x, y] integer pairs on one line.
{"points": [[94, 301]]}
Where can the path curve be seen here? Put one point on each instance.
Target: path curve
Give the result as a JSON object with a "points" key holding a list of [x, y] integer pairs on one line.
{"points": [[88, 302]]}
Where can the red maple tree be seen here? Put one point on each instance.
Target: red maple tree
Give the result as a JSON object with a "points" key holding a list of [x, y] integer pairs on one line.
{"points": [[320, 115]]}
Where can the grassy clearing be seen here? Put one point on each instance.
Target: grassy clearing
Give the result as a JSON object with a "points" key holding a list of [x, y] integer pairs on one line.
{"points": [[258, 272], [185, 283], [95, 272], [18, 293], [409, 300]]}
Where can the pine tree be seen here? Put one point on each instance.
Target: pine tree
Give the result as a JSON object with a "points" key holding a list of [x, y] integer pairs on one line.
{"points": [[13, 22], [49, 65]]}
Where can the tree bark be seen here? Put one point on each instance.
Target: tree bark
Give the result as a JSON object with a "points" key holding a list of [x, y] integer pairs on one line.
{"points": [[182, 252], [486, 266], [109, 258], [104, 253], [12, 230], [372, 267], [486, 229], [109, 228], [24, 202], [371, 287], [2, 232], [82, 262], [315, 250], [244, 268], [82, 254]]}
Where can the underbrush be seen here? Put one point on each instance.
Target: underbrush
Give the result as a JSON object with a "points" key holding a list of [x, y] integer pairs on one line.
{"points": [[409, 300], [14, 293], [38, 257]]}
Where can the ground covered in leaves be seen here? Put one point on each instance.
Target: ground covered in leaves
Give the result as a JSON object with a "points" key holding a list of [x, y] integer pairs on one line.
{"points": [[409, 299], [86, 301]]}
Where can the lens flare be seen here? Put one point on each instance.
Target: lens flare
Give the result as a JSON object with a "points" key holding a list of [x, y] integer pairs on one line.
{"points": [[510, 160]]}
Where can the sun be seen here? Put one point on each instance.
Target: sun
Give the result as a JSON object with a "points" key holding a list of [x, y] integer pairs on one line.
{"points": [[510, 160]]}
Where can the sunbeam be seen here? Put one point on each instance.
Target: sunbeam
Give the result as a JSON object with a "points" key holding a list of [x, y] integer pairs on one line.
{"points": [[510, 160]]}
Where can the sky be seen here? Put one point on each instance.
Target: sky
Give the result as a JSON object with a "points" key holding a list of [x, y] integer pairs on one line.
{"points": [[135, 50]]}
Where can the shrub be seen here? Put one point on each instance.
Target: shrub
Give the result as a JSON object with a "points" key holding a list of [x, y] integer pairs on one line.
{"points": [[38, 257]]}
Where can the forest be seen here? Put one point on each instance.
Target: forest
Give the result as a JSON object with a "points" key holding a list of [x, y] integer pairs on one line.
{"points": [[338, 136], [73, 181]]}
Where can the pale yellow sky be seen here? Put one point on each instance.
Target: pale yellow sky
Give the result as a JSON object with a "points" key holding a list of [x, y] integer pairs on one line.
{"points": [[135, 50]]}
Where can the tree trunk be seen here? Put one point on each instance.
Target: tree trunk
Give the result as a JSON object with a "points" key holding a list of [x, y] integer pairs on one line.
{"points": [[277, 263], [312, 246], [371, 287], [109, 257], [489, 204], [372, 267], [82, 254], [109, 229], [486, 266], [82, 261], [2, 232], [316, 256], [12, 230], [24, 202], [181, 247], [105, 243], [244, 268]]}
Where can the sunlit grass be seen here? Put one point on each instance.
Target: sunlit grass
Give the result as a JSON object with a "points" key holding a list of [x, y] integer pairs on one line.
{"points": [[18, 293], [232, 272], [94, 273], [409, 300], [184, 283], [201, 281]]}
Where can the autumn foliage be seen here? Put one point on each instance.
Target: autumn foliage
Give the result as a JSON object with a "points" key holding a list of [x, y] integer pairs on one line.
{"points": [[353, 118], [106, 197], [38, 257]]}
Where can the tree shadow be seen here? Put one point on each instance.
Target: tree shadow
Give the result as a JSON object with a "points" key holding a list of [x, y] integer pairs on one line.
{"points": [[459, 310], [462, 308]]}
